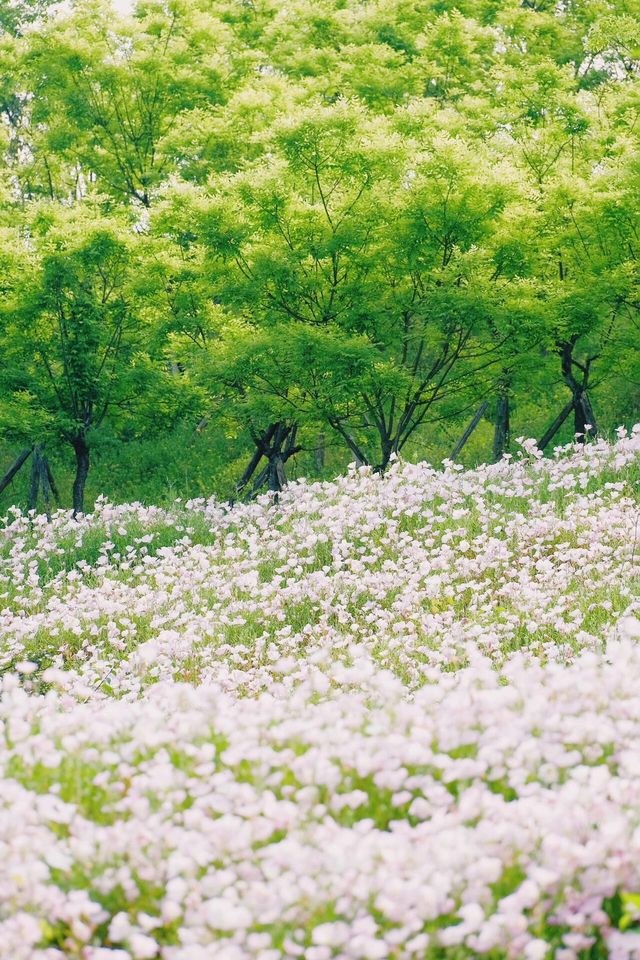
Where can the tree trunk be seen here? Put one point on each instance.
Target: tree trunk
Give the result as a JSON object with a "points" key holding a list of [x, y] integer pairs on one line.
{"points": [[384, 460], [501, 427], [277, 444], [271, 444], [81, 449], [584, 416], [278, 454], [583, 411], [277, 476], [250, 470]]}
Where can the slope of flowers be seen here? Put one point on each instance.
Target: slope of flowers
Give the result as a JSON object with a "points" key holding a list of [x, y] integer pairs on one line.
{"points": [[389, 717]]}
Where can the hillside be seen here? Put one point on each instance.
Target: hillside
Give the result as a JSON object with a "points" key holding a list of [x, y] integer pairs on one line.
{"points": [[386, 717]]}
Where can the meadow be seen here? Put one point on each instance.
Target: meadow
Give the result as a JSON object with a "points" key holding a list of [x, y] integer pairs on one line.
{"points": [[390, 716]]}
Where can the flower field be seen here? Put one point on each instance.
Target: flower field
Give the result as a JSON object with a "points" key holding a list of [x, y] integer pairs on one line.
{"points": [[386, 717]]}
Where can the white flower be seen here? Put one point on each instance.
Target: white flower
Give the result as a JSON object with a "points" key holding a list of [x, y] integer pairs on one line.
{"points": [[629, 627], [221, 914], [536, 950], [26, 667], [142, 947], [120, 927]]}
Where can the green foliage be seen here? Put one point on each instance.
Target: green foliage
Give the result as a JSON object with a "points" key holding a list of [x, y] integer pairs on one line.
{"points": [[68, 332], [356, 221], [17, 15]]}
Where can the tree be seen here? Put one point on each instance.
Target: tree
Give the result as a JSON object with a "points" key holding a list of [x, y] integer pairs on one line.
{"points": [[389, 224], [355, 234], [69, 329], [16, 15], [108, 92]]}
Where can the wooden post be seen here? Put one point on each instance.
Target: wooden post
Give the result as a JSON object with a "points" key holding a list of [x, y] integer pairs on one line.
{"points": [[44, 485], [34, 483], [477, 417], [555, 426], [13, 469], [52, 483], [319, 453]]}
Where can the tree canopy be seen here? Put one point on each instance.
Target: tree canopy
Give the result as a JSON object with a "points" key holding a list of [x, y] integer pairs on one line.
{"points": [[324, 231]]}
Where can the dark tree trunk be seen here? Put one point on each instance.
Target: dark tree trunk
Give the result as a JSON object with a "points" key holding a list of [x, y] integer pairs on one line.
{"points": [[250, 470], [276, 444], [277, 475], [282, 447], [583, 411], [261, 441], [386, 450], [584, 417], [501, 432], [81, 449]]}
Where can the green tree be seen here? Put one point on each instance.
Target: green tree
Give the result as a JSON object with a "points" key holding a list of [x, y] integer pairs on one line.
{"points": [[16, 15], [108, 92], [69, 329], [374, 245]]}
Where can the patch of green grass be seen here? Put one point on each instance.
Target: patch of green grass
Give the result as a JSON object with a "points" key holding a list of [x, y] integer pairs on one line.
{"points": [[75, 785]]}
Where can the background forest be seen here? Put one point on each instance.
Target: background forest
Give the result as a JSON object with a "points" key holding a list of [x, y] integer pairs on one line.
{"points": [[241, 241]]}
